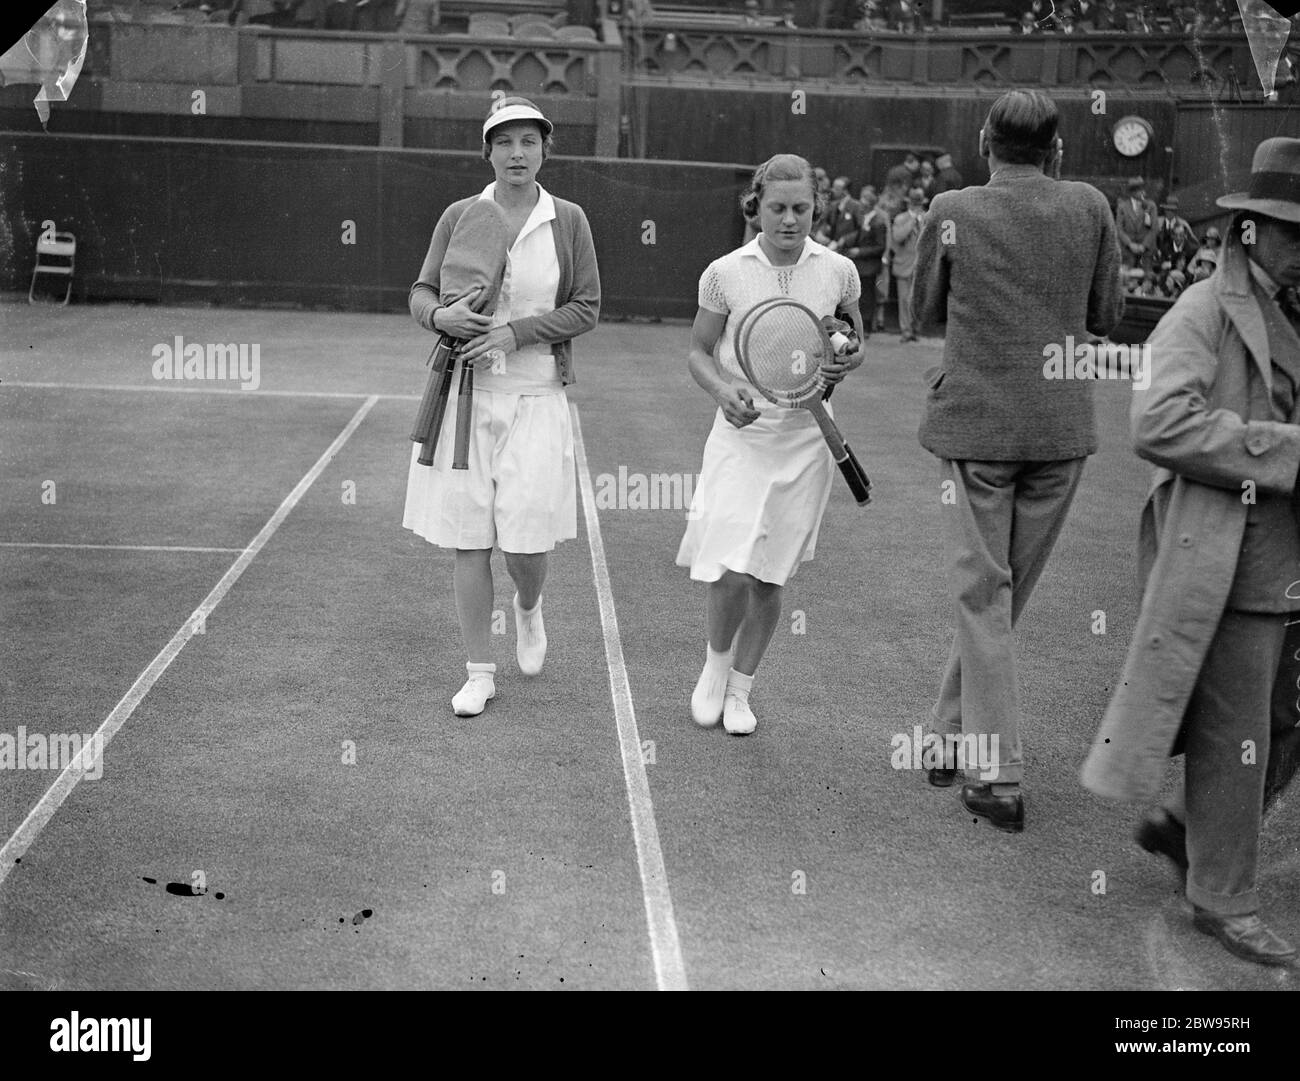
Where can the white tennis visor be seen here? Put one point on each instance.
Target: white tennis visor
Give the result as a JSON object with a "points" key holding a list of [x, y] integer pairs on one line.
{"points": [[515, 112]]}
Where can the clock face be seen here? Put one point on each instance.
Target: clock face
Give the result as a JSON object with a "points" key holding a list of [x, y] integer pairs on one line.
{"points": [[1132, 134]]}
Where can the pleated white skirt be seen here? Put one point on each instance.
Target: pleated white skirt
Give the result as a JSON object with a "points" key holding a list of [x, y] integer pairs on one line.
{"points": [[761, 496]]}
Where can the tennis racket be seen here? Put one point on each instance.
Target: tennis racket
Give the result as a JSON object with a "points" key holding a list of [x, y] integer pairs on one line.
{"points": [[475, 259], [781, 346]]}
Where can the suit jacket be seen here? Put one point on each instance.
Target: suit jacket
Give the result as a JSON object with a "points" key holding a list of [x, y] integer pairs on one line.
{"points": [[1137, 226], [844, 222], [1206, 421], [1018, 267], [868, 249], [903, 237]]}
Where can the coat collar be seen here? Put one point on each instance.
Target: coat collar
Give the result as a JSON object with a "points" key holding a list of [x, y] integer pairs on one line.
{"points": [[1234, 284]]}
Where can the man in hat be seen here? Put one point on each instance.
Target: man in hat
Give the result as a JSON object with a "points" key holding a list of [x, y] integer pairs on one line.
{"points": [[1212, 669], [1138, 220], [1012, 438], [905, 232]]}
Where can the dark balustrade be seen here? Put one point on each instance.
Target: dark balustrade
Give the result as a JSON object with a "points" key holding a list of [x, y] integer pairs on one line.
{"points": [[726, 55]]}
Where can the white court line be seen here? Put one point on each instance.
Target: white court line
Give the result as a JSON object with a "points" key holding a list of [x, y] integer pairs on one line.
{"points": [[158, 388], [66, 781], [670, 971], [117, 547]]}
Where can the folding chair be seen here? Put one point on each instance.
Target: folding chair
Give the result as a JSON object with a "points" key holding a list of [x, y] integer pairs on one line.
{"points": [[62, 246]]}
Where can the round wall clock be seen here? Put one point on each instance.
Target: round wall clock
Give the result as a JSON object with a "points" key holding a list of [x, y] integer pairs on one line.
{"points": [[1132, 135]]}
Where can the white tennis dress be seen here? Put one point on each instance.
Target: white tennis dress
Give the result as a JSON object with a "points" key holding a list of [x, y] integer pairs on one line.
{"points": [[763, 488], [519, 490]]}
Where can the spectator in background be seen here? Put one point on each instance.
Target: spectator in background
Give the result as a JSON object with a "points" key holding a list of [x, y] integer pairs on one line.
{"points": [[376, 16], [890, 206], [925, 181], [1107, 17], [1175, 248], [903, 237], [947, 179], [1137, 218], [1087, 21], [867, 250], [310, 14], [1028, 24], [1206, 260], [419, 16], [1169, 216], [823, 183], [902, 178], [843, 216], [340, 15]]}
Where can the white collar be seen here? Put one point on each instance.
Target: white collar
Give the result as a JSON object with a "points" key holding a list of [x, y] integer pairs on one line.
{"points": [[543, 209], [810, 249]]}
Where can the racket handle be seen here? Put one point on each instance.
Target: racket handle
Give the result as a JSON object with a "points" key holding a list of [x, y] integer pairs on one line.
{"points": [[437, 362], [439, 406], [464, 412], [859, 484]]}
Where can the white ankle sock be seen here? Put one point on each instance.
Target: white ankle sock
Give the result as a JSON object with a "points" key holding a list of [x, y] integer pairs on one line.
{"points": [[739, 684], [479, 670]]}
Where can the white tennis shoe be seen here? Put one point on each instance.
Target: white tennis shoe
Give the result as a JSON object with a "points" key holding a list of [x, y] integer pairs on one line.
{"points": [[706, 699], [470, 700], [530, 638], [737, 717]]}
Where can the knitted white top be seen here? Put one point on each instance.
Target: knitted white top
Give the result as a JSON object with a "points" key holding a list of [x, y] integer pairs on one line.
{"points": [[738, 281]]}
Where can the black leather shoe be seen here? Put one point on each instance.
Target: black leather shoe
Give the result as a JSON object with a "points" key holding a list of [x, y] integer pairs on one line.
{"points": [[1163, 835], [1005, 812], [1246, 936], [941, 778]]}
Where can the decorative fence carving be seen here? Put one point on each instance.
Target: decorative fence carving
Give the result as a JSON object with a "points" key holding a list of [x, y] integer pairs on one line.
{"points": [[1177, 63], [457, 62]]}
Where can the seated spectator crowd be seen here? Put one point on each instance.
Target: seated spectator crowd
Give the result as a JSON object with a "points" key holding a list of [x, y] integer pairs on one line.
{"points": [[1161, 254]]}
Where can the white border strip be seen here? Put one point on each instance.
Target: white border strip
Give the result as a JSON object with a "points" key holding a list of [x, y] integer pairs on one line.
{"points": [[150, 388], [670, 971], [117, 547], [63, 785]]}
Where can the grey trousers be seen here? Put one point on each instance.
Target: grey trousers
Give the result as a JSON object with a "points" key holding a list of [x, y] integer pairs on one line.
{"points": [[905, 324], [999, 534], [1242, 748]]}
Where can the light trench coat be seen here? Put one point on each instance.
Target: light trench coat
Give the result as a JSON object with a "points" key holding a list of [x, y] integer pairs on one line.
{"points": [[1206, 421]]}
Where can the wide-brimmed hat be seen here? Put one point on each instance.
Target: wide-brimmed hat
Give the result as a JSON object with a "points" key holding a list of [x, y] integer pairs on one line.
{"points": [[507, 109], [1274, 189]]}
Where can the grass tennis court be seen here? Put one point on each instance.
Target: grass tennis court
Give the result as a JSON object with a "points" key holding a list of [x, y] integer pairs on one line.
{"points": [[300, 752]]}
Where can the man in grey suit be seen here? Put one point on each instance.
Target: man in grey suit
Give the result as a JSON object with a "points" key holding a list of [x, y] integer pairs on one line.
{"points": [[905, 232], [1138, 221], [1023, 269]]}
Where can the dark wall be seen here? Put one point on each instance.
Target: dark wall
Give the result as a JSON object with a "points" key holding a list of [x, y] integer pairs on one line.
{"points": [[839, 131], [175, 221]]}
